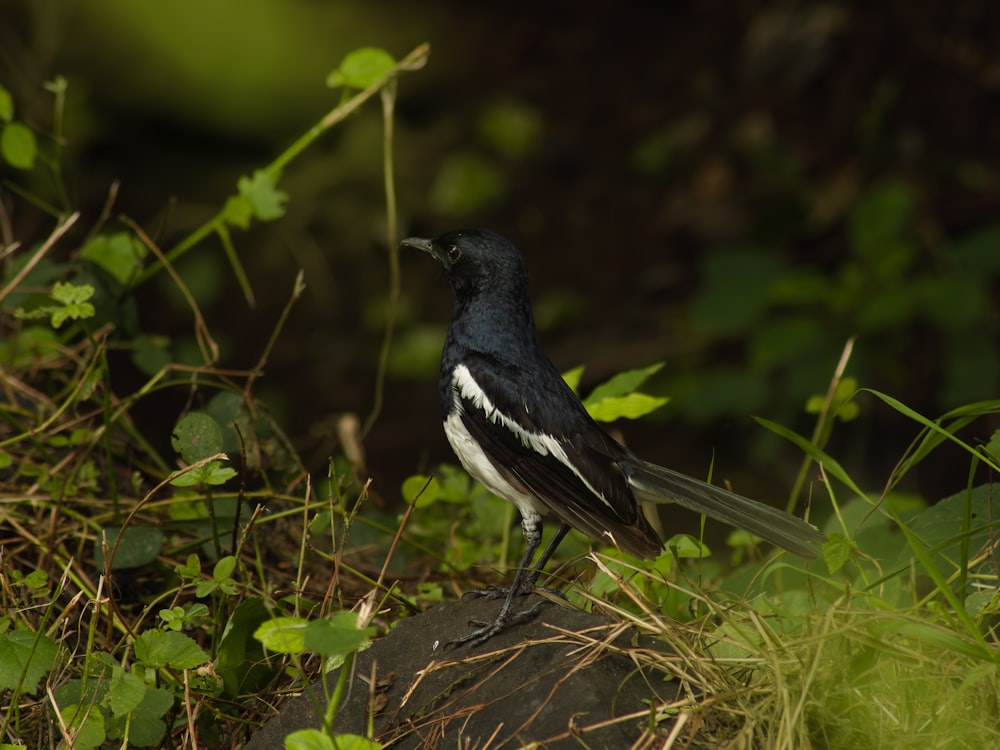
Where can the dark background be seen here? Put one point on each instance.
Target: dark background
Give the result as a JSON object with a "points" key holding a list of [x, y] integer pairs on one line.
{"points": [[623, 146]]}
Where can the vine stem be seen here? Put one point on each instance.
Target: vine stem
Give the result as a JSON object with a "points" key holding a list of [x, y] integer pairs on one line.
{"points": [[388, 175], [413, 61]]}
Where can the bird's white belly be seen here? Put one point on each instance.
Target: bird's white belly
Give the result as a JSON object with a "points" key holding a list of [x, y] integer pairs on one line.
{"points": [[482, 469]]}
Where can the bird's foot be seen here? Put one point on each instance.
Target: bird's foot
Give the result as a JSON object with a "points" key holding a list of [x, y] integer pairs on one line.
{"points": [[487, 630], [505, 617], [498, 592], [502, 592]]}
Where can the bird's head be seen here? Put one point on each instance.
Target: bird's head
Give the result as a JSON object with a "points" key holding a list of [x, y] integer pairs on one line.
{"points": [[477, 261]]}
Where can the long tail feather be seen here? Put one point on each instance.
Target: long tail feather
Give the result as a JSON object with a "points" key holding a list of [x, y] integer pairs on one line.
{"points": [[657, 484]]}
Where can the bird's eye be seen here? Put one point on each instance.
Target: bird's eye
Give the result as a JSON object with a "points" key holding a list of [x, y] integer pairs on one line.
{"points": [[454, 253]]}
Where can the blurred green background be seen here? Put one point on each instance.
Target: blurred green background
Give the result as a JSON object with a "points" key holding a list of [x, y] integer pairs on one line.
{"points": [[732, 188]]}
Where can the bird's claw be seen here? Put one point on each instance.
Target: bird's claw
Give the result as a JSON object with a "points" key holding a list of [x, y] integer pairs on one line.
{"points": [[501, 592], [489, 592], [487, 630]]}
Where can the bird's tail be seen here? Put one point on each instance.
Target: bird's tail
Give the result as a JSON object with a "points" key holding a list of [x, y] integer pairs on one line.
{"points": [[657, 484]]}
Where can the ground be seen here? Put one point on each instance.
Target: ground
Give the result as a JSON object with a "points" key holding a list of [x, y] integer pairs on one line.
{"points": [[565, 679]]}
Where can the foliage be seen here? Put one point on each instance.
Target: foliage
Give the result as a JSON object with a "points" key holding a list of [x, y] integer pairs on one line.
{"points": [[149, 598], [899, 294], [18, 146], [146, 607]]}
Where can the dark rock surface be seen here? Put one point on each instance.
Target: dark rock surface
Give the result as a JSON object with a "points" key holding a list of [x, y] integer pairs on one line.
{"points": [[530, 683]]}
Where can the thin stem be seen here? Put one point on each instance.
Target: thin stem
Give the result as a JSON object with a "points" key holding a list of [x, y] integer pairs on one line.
{"points": [[413, 61], [821, 433], [388, 107]]}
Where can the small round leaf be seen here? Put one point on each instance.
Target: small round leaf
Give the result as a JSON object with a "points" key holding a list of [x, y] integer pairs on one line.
{"points": [[196, 436], [361, 68], [18, 146]]}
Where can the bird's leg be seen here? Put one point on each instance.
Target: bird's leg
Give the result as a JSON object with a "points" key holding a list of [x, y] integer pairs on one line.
{"points": [[524, 581], [549, 551]]}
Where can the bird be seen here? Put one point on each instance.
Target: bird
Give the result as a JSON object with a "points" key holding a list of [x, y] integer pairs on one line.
{"points": [[520, 430]]}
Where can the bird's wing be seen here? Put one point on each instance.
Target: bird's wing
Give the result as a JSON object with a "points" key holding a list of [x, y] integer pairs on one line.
{"points": [[535, 431]]}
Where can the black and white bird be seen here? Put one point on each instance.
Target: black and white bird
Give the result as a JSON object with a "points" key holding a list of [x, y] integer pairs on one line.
{"points": [[518, 428]]}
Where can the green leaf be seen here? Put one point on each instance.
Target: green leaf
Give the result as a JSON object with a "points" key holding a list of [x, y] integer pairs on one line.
{"points": [[456, 485], [309, 739], [217, 474], [283, 635], [137, 546], [6, 105], [355, 742], [72, 304], [213, 473], [425, 490], [993, 446], [982, 603], [430, 592], [71, 294], [572, 378], [173, 618], [623, 384], [512, 128], [952, 302], [242, 663], [187, 479], [467, 182], [632, 406], [238, 637], [161, 648], [27, 653], [687, 546], [76, 312], [190, 569], [125, 692], [156, 702], [314, 739], [785, 340], [18, 146], [361, 68], [147, 728], [837, 551], [262, 193], [238, 211], [204, 588], [338, 636], [734, 640], [842, 406], [119, 254], [736, 288], [224, 568], [878, 220], [939, 529], [86, 725], [150, 353], [196, 436], [920, 553], [616, 398], [976, 252]]}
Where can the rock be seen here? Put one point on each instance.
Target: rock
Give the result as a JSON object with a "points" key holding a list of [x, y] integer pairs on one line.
{"points": [[530, 683]]}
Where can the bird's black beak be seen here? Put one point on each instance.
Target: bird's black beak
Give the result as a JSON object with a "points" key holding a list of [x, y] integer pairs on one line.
{"points": [[420, 243]]}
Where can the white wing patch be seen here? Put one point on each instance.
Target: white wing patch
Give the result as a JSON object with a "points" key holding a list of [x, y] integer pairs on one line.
{"points": [[466, 387], [482, 469]]}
